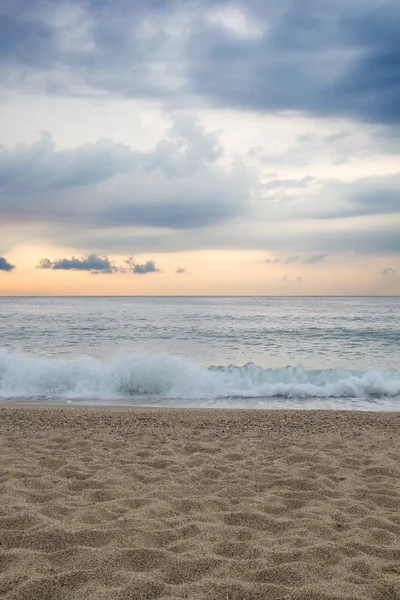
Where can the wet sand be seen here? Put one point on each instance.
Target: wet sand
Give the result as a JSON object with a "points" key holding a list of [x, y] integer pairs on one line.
{"points": [[123, 503]]}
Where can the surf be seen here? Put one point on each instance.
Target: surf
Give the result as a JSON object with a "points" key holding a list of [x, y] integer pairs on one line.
{"points": [[168, 377]]}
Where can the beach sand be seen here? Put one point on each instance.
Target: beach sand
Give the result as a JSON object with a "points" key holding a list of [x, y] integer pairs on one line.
{"points": [[123, 503]]}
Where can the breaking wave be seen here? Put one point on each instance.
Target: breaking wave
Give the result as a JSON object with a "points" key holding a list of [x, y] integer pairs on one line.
{"points": [[164, 379]]}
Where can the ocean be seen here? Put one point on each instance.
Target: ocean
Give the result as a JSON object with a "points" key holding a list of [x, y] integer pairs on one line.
{"points": [[222, 352]]}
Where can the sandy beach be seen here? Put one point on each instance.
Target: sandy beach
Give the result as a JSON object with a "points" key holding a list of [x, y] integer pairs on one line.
{"points": [[120, 503]]}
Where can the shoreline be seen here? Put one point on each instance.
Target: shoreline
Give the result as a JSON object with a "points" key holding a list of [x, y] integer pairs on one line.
{"points": [[123, 503], [286, 406], [230, 413]]}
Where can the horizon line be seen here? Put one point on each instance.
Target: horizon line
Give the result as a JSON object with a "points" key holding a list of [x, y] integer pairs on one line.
{"points": [[200, 296]]}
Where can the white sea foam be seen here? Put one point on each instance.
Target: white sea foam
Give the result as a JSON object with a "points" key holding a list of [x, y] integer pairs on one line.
{"points": [[163, 378]]}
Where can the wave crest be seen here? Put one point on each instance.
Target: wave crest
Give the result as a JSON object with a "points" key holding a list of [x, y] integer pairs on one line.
{"points": [[170, 377]]}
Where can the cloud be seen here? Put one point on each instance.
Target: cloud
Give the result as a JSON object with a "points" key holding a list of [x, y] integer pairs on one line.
{"points": [[279, 184], [180, 196], [147, 267], [389, 272], [367, 237], [311, 198], [175, 185], [337, 62], [340, 60], [201, 211], [5, 265], [41, 166], [271, 261], [182, 271], [186, 147], [93, 263], [98, 264], [315, 258], [311, 260], [372, 199], [339, 146]]}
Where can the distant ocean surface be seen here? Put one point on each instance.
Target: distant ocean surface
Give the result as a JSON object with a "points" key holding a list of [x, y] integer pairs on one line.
{"points": [[202, 352]]}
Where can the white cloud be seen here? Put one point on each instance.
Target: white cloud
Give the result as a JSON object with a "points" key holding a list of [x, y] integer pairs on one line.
{"points": [[237, 21]]}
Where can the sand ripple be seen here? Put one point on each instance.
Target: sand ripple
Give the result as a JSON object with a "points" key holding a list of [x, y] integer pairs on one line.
{"points": [[118, 504]]}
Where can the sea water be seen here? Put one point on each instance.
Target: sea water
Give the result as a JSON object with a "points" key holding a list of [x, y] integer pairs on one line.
{"points": [[259, 352]]}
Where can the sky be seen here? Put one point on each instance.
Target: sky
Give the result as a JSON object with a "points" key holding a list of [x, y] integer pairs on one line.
{"points": [[199, 148]]}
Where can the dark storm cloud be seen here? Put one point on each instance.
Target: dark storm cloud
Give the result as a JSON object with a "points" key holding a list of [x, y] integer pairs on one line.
{"points": [[336, 60], [93, 263], [5, 265], [326, 61], [341, 59]]}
